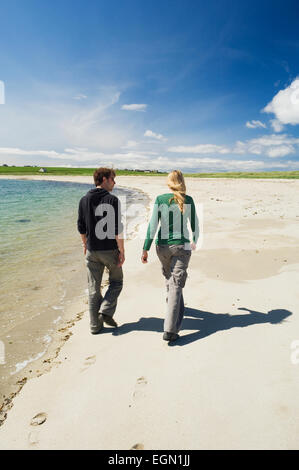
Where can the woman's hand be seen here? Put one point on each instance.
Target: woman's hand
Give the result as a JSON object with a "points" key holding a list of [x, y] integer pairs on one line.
{"points": [[193, 246], [144, 257]]}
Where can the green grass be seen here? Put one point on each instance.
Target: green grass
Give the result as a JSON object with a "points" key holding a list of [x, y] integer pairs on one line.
{"points": [[20, 170]]}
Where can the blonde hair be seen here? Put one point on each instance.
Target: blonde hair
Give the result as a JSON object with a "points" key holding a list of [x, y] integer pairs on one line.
{"points": [[176, 183]]}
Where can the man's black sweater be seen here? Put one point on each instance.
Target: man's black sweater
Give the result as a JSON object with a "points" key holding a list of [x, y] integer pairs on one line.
{"points": [[99, 217]]}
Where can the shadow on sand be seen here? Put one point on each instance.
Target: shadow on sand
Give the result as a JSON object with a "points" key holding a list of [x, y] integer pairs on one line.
{"points": [[206, 323]]}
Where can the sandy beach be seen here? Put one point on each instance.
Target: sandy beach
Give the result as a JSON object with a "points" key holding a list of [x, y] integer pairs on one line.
{"points": [[232, 379]]}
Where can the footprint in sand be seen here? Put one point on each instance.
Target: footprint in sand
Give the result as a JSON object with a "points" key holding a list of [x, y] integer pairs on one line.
{"points": [[33, 438], [38, 419], [138, 446], [89, 361], [140, 388]]}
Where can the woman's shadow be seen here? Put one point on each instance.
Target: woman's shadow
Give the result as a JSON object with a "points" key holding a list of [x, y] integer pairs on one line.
{"points": [[207, 323]]}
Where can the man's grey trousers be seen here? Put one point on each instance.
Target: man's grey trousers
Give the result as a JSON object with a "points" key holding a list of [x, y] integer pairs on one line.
{"points": [[175, 260], [96, 261]]}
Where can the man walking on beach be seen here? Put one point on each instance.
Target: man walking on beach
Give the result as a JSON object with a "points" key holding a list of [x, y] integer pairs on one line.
{"points": [[99, 223]]}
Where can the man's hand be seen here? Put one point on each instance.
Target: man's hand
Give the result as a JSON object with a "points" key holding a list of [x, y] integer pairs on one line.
{"points": [[121, 248], [84, 242], [121, 259], [144, 257]]}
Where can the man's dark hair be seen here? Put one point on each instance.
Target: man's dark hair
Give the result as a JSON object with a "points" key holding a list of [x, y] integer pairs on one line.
{"points": [[100, 173]]}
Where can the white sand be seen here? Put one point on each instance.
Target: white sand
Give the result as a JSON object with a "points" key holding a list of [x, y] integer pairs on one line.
{"points": [[226, 384]]}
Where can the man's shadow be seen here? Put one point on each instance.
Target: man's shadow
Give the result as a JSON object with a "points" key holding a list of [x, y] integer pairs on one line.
{"points": [[207, 323]]}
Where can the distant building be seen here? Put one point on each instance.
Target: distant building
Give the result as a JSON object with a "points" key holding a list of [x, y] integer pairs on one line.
{"points": [[146, 171], [42, 170]]}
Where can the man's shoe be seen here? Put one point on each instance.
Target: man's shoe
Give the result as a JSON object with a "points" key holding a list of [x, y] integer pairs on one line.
{"points": [[109, 321], [95, 332], [170, 336]]}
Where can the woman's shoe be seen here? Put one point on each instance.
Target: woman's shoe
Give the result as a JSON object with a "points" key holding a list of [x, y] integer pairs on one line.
{"points": [[109, 320], [170, 336]]}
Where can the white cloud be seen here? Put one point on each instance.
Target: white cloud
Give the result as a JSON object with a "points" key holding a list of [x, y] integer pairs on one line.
{"points": [[273, 139], [80, 96], [200, 149], [134, 107], [76, 150], [285, 104], [255, 149], [130, 144], [17, 151], [276, 125], [62, 121], [93, 126], [270, 145], [68, 154], [152, 134], [254, 124], [280, 151], [240, 147]]}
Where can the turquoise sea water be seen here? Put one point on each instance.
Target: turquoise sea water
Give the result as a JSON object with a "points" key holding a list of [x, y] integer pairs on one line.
{"points": [[34, 215], [41, 267]]}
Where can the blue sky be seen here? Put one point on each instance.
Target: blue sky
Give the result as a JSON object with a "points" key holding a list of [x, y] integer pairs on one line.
{"points": [[196, 85]]}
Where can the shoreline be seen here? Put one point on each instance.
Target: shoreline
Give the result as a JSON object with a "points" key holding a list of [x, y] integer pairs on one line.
{"points": [[249, 230]]}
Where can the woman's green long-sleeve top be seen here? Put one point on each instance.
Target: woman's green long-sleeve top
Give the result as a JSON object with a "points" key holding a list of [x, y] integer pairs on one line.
{"points": [[173, 223]]}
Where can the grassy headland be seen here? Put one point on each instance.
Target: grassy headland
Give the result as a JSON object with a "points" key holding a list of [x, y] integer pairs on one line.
{"points": [[31, 170]]}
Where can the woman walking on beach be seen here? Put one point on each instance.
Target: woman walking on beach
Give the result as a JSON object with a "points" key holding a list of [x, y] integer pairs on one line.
{"points": [[172, 212]]}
